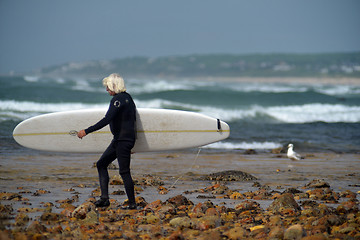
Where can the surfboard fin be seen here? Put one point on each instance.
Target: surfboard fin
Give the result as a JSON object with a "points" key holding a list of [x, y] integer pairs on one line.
{"points": [[218, 125]]}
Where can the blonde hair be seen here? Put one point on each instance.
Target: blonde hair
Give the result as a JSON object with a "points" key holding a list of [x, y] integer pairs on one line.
{"points": [[115, 83]]}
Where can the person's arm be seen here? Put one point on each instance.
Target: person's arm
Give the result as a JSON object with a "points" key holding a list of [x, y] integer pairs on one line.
{"points": [[103, 122]]}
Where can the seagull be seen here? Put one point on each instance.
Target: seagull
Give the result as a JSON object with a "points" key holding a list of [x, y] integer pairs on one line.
{"points": [[293, 155]]}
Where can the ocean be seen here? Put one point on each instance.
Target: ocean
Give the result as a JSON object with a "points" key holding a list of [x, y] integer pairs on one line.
{"points": [[315, 117]]}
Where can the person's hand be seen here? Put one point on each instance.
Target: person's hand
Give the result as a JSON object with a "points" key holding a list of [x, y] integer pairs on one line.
{"points": [[81, 133]]}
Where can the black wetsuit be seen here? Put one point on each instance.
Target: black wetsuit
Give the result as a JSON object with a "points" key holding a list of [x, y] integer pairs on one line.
{"points": [[121, 116]]}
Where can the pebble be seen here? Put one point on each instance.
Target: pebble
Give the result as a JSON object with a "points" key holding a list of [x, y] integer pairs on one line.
{"points": [[230, 175], [285, 202], [294, 232], [291, 214]]}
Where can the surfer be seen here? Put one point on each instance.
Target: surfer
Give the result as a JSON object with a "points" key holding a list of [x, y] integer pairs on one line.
{"points": [[121, 116]]}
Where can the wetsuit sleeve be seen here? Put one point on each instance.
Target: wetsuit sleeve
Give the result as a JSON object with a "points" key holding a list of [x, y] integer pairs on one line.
{"points": [[105, 121]]}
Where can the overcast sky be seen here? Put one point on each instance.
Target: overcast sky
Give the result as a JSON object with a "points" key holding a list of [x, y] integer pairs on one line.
{"points": [[39, 33]]}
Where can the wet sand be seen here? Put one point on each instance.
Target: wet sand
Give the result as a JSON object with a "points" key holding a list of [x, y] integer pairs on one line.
{"points": [[183, 170], [52, 178]]}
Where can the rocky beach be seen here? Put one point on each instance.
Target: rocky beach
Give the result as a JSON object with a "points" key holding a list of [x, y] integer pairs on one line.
{"points": [[183, 195]]}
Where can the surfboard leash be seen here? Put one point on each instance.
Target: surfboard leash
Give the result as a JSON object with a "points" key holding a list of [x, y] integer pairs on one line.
{"points": [[196, 157]]}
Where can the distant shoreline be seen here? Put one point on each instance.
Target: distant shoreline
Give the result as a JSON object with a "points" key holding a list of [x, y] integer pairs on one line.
{"points": [[304, 80]]}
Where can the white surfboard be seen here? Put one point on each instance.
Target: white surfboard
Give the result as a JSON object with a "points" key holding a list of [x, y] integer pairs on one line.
{"points": [[157, 130]]}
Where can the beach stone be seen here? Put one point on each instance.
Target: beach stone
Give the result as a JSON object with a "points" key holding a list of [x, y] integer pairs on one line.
{"points": [[335, 220], [316, 237], [10, 196], [348, 194], [27, 209], [6, 208], [199, 208], [229, 216], [154, 205], [350, 206], [325, 210], [275, 220], [231, 175], [278, 150], [5, 212], [118, 192], [176, 235], [209, 204], [294, 232], [165, 211], [116, 180], [292, 190], [317, 183], [67, 212], [236, 195], [206, 222], [191, 234], [40, 192], [179, 200], [212, 212], [140, 201], [261, 194], [315, 193], [258, 231], [162, 190], [205, 196], [127, 234], [236, 233], [309, 204], [276, 233], [21, 219], [151, 219], [96, 192], [182, 222], [247, 205], [212, 234], [150, 180], [250, 151], [48, 216], [81, 211], [149, 228], [36, 227], [6, 235], [220, 190], [91, 218], [285, 201]]}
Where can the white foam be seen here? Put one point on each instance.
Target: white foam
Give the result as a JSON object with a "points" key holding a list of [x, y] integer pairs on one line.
{"points": [[83, 85], [267, 88], [24, 109], [31, 78], [243, 145], [307, 113], [315, 112], [335, 90], [138, 87]]}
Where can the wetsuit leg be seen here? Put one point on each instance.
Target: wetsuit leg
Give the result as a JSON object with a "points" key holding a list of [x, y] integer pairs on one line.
{"points": [[107, 157], [123, 152]]}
